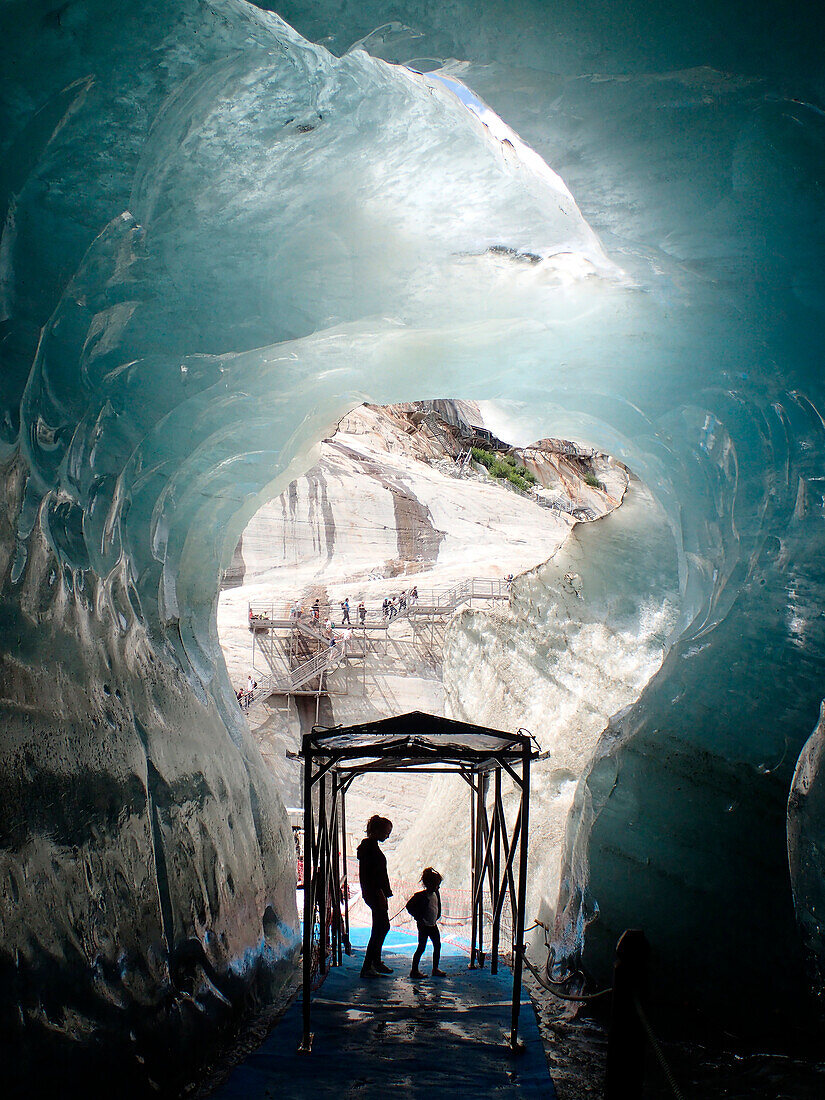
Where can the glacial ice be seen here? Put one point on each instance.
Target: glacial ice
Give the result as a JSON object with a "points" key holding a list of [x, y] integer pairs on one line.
{"points": [[218, 237]]}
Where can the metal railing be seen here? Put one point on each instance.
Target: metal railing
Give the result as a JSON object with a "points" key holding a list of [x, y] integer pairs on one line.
{"points": [[445, 601], [435, 601], [429, 606], [293, 680]]}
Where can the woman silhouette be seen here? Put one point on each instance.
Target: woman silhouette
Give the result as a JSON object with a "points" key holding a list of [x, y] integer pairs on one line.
{"points": [[375, 890]]}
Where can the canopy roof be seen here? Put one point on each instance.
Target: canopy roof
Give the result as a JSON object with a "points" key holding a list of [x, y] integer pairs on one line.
{"points": [[414, 740]]}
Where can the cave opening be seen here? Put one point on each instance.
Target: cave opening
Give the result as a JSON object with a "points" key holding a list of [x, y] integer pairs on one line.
{"points": [[217, 237], [426, 563]]}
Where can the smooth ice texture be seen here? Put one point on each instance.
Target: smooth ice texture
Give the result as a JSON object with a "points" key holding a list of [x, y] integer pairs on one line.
{"points": [[217, 237], [580, 638]]}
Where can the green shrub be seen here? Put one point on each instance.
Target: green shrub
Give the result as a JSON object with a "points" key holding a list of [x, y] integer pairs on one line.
{"points": [[591, 480], [526, 474], [521, 482], [505, 466]]}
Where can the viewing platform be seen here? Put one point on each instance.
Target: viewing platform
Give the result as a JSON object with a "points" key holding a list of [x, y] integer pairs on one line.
{"points": [[299, 654]]}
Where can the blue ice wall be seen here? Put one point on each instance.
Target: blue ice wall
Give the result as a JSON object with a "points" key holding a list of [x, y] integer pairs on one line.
{"points": [[218, 236]]}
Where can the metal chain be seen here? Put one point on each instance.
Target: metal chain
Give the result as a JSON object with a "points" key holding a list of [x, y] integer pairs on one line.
{"points": [[657, 1050]]}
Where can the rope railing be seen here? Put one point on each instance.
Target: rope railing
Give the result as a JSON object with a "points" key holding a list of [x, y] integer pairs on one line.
{"points": [[629, 1020], [556, 990], [625, 1065]]}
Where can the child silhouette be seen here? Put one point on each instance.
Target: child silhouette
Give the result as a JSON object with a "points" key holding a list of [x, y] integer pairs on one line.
{"points": [[425, 907]]}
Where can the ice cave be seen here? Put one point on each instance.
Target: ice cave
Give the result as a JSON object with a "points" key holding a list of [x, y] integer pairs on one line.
{"points": [[224, 228]]}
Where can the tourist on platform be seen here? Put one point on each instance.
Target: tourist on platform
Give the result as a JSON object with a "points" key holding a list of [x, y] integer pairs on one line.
{"points": [[316, 610], [425, 907], [362, 613], [376, 892], [345, 612]]}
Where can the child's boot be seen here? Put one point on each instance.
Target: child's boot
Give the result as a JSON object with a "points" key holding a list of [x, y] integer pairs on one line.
{"points": [[439, 973]]}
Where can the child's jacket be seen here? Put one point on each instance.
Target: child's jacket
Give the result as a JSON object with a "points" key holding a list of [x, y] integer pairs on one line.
{"points": [[421, 908]]}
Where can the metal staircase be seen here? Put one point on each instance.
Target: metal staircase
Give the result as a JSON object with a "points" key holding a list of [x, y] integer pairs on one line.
{"points": [[288, 682], [429, 608]]}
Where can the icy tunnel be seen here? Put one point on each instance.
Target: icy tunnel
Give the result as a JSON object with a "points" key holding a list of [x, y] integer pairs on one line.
{"points": [[219, 233]]}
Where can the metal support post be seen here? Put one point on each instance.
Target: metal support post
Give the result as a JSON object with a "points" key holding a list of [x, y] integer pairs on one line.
{"points": [[478, 906], [473, 883], [323, 872], [306, 1040], [518, 945], [484, 851], [337, 952], [496, 875], [345, 863]]}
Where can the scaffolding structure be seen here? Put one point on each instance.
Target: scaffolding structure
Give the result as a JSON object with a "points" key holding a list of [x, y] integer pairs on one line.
{"points": [[418, 743], [300, 658]]}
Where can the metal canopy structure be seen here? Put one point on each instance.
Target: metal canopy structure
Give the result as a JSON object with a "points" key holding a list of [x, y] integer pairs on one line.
{"points": [[416, 742]]}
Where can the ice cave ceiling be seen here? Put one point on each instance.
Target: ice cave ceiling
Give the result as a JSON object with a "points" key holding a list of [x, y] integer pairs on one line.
{"points": [[219, 233]]}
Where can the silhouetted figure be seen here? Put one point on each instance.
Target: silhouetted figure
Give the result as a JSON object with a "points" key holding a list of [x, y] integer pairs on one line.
{"points": [[375, 890], [425, 907]]}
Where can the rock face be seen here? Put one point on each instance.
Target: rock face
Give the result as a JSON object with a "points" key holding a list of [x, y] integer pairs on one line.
{"points": [[574, 478], [388, 505], [386, 472]]}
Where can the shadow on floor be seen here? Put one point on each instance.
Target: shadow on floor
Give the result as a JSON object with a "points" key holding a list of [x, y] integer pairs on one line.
{"points": [[437, 1037]]}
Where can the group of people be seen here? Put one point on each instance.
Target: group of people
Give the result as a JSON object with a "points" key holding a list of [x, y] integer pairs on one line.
{"points": [[394, 604], [391, 606], [362, 613], [247, 694], [424, 906]]}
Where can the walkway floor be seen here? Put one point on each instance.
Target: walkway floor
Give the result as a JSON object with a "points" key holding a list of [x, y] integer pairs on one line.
{"points": [[384, 1037]]}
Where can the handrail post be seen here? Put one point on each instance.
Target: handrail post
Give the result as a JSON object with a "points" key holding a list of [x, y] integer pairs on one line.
{"points": [[626, 1037], [346, 865], [473, 910], [323, 873], [306, 1040]]}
